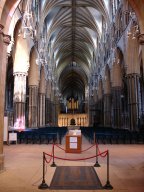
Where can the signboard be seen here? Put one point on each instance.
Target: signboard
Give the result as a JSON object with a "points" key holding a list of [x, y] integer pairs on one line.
{"points": [[13, 137], [73, 139], [73, 145]]}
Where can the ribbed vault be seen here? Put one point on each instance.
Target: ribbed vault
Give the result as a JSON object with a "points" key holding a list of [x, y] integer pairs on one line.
{"points": [[72, 29]]}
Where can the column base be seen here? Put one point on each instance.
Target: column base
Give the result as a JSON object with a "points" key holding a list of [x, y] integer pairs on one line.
{"points": [[1, 162]]}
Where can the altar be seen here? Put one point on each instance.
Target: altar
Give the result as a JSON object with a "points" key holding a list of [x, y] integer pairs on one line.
{"points": [[73, 141]]}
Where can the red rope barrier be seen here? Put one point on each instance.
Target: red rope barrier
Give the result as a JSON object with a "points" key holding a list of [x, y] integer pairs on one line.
{"points": [[105, 153], [60, 147], [102, 154], [99, 151], [81, 151], [87, 148], [50, 157]]}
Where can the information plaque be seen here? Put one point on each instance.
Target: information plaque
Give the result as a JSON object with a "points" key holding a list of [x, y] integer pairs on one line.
{"points": [[73, 145], [73, 139], [12, 137]]}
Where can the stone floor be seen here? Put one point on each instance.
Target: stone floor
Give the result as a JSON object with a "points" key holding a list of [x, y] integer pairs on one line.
{"points": [[23, 166]]}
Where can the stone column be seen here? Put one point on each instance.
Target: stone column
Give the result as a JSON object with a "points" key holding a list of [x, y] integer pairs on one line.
{"points": [[19, 99], [91, 111], [116, 79], [53, 113], [33, 105], [52, 105], [133, 100], [4, 42], [116, 103], [48, 117], [141, 42], [33, 83], [133, 73], [107, 98], [20, 68], [56, 105], [54, 108], [107, 109], [41, 99], [41, 110], [100, 103], [100, 106], [46, 111]]}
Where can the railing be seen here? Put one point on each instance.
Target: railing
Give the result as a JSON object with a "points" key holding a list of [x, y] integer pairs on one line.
{"points": [[52, 156]]}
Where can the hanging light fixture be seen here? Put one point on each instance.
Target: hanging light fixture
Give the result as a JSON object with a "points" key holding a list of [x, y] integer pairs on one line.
{"points": [[28, 26]]}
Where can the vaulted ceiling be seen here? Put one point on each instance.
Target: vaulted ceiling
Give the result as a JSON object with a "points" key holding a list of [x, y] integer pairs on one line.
{"points": [[72, 29]]}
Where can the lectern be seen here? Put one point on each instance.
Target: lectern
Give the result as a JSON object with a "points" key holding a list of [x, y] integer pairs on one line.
{"points": [[73, 141]]}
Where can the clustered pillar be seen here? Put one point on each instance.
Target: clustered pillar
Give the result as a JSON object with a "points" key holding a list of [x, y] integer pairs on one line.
{"points": [[92, 120], [107, 109], [41, 99], [116, 114], [33, 105], [100, 103], [4, 42], [19, 99], [133, 100], [132, 76], [49, 111], [41, 110]]}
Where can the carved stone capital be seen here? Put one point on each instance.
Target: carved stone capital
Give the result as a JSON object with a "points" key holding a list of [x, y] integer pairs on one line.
{"points": [[1, 28], [18, 74], [141, 39], [6, 39]]}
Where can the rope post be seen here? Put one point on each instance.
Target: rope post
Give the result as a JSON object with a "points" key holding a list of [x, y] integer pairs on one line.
{"points": [[60, 139], [108, 185], [53, 163], [43, 185], [94, 135], [96, 163]]}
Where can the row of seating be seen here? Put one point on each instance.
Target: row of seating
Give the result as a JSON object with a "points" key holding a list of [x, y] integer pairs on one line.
{"points": [[108, 135], [41, 135]]}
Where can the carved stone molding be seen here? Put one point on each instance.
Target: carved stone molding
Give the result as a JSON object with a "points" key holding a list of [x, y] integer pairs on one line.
{"points": [[6, 39], [141, 39], [20, 74], [1, 28]]}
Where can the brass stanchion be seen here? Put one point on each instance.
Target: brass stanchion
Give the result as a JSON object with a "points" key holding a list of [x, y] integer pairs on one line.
{"points": [[108, 185], [53, 163], [43, 185], [96, 163]]}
